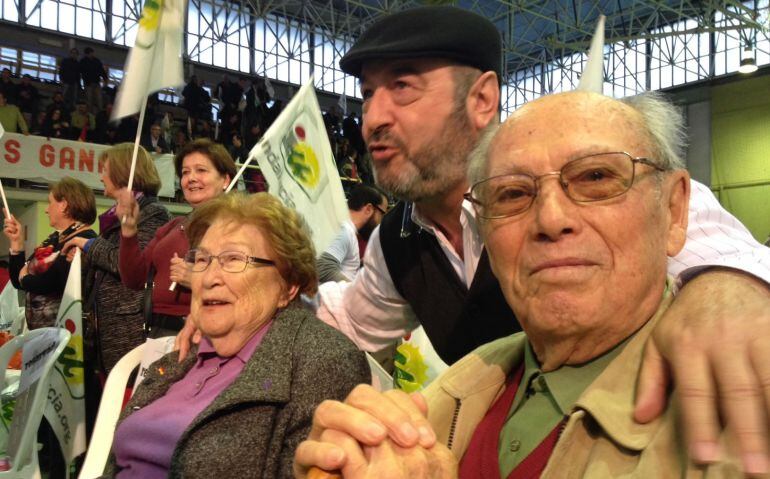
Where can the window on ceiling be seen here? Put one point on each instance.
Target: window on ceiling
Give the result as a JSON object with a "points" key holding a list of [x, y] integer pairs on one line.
{"points": [[84, 18], [218, 34]]}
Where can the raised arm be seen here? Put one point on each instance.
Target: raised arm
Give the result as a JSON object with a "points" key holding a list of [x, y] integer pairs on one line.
{"points": [[369, 311]]}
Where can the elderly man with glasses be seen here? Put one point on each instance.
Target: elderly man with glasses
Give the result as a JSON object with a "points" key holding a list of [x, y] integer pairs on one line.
{"points": [[579, 213]]}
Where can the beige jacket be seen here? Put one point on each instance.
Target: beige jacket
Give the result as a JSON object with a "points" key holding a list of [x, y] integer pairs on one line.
{"points": [[601, 439]]}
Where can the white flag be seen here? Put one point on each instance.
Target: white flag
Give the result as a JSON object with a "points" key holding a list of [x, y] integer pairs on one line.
{"points": [[343, 103], [297, 161], [155, 61], [269, 88], [592, 78], [11, 314], [65, 408]]}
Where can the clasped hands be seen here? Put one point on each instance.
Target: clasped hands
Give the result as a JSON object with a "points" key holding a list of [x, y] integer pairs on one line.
{"points": [[713, 345], [375, 435]]}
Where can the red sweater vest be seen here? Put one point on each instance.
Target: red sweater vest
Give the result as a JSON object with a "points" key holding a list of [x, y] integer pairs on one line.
{"points": [[481, 458]]}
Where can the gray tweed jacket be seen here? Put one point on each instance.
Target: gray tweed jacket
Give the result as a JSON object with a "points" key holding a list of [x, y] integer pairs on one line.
{"points": [[253, 427], [119, 314]]}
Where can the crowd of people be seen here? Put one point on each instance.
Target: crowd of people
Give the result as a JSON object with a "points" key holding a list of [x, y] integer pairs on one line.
{"points": [[81, 110], [601, 315]]}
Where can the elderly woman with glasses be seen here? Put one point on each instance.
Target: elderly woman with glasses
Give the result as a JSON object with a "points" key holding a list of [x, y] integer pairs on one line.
{"points": [[239, 405]]}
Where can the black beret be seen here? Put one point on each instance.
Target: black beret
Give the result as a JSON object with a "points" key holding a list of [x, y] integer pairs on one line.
{"points": [[432, 31]]}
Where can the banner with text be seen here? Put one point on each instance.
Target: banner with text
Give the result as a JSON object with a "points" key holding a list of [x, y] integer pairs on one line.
{"points": [[37, 158], [66, 406], [298, 164]]}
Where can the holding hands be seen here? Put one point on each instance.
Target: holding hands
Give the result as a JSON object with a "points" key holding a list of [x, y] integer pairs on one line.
{"points": [[374, 435]]}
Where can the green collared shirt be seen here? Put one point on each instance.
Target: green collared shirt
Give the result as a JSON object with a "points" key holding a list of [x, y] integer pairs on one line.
{"points": [[542, 401]]}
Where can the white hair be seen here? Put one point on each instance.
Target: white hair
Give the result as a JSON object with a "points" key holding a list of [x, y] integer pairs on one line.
{"points": [[665, 128], [662, 120]]}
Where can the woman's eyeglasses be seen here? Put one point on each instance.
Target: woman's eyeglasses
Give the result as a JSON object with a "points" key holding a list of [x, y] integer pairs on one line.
{"points": [[230, 261]]}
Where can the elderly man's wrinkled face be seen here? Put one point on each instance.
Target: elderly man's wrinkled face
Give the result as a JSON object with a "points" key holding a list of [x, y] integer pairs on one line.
{"points": [[588, 273], [229, 308]]}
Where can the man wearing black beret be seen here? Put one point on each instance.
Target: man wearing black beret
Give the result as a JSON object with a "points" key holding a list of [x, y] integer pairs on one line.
{"points": [[430, 81]]}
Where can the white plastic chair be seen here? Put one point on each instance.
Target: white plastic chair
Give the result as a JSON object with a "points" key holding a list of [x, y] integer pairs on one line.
{"points": [[109, 412], [29, 407]]}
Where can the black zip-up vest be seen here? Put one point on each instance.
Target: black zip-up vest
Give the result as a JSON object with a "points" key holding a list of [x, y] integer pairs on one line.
{"points": [[456, 319]]}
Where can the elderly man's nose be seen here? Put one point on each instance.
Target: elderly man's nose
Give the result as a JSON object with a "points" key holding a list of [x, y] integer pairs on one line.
{"points": [[555, 212]]}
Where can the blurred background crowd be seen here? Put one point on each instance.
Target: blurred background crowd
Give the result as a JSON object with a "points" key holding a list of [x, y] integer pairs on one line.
{"points": [[235, 112]]}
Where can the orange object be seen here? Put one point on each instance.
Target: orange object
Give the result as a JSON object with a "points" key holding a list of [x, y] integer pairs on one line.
{"points": [[317, 473], [15, 362]]}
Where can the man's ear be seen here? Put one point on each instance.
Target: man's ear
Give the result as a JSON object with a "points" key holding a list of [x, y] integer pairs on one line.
{"points": [[678, 210], [483, 100], [369, 210]]}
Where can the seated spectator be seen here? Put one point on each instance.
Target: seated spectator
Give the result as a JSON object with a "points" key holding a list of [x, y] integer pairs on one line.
{"points": [[179, 141], [127, 127], [351, 130], [333, 119], [578, 233], [82, 122], [57, 102], [155, 142], [103, 122], [37, 123], [54, 126], [263, 365], [111, 135], [11, 118], [205, 130], [27, 98], [237, 149], [342, 259], [231, 124], [253, 126], [7, 86]]}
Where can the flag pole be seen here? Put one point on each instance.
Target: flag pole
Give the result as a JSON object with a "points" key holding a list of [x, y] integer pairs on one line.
{"points": [[136, 150], [234, 181], [5, 201]]}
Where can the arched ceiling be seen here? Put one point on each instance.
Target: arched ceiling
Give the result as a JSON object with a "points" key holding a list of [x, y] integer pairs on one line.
{"points": [[535, 32]]}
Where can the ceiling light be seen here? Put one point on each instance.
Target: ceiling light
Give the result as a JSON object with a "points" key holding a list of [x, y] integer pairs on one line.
{"points": [[748, 65]]}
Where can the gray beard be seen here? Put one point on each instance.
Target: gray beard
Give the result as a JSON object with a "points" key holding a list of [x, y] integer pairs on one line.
{"points": [[436, 168]]}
